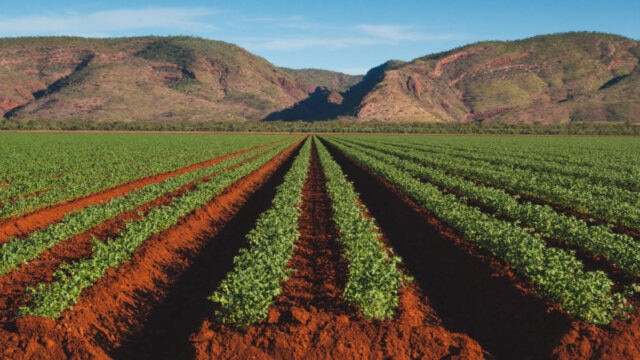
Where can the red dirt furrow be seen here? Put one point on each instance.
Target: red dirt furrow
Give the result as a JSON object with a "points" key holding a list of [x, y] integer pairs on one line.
{"points": [[21, 225], [310, 319], [120, 303], [479, 296], [471, 291], [40, 270]]}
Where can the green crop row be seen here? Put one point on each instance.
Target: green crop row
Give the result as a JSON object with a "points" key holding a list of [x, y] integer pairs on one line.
{"points": [[589, 164], [555, 273], [374, 278], [587, 178], [247, 292], [621, 250], [605, 203], [70, 279], [37, 170], [18, 251], [600, 156]]}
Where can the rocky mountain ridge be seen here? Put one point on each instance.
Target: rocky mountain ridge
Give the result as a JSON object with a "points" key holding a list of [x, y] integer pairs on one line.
{"points": [[150, 78], [549, 79], [546, 79]]}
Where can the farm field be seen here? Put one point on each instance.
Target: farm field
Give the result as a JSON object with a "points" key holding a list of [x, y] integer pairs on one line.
{"points": [[176, 246]]}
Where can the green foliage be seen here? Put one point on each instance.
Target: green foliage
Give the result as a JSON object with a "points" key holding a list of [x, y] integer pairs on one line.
{"points": [[556, 273], [344, 125], [44, 169], [374, 278], [18, 251], [247, 292], [609, 195], [170, 50], [621, 250], [70, 279]]}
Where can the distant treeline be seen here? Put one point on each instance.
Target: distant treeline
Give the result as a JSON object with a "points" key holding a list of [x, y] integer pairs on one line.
{"points": [[333, 126]]}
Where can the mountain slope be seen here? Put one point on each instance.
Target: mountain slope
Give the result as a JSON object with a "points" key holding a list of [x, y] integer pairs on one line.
{"points": [[560, 78], [150, 78], [548, 79]]}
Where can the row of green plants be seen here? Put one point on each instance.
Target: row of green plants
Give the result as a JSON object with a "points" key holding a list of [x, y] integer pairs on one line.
{"points": [[607, 162], [615, 182], [621, 250], [606, 203], [37, 170], [555, 273], [340, 125], [374, 277], [246, 293], [51, 299], [21, 251]]}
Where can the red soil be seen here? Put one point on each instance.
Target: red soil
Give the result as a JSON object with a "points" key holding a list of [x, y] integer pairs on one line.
{"points": [[21, 225], [40, 270], [119, 304], [463, 304], [310, 318], [477, 295]]}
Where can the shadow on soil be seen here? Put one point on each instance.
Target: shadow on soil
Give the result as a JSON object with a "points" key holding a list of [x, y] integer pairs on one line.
{"points": [[459, 281]]}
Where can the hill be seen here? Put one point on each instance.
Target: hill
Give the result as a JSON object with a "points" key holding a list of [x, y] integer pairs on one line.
{"points": [[548, 79], [556, 78], [149, 78]]}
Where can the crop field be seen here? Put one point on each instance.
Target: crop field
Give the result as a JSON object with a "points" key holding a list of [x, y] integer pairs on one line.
{"points": [[210, 246]]}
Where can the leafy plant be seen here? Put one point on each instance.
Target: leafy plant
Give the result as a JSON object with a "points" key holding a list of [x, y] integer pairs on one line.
{"points": [[374, 278], [555, 273], [50, 300], [247, 292]]}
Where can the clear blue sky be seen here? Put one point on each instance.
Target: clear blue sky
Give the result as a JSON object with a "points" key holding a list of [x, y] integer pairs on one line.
{"points": [[348, 36]]}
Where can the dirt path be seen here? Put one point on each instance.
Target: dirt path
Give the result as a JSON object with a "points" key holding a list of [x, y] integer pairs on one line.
{"points": [[310, 319], [19, 226]]}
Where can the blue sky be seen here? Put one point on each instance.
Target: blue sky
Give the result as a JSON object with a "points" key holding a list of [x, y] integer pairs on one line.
{"points": [[348, 36]]}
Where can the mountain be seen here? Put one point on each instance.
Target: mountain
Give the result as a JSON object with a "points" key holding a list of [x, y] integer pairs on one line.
{"points": [[556, 78], [148, 78], [548, 79]]}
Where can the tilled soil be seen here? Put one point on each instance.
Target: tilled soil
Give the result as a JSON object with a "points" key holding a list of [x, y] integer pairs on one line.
{"points": [[310, 319], [477, 295], [463, 304]]}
